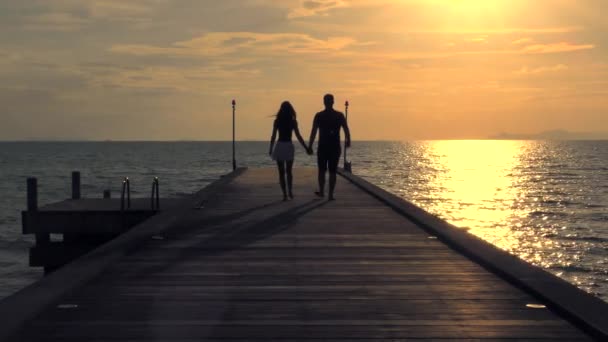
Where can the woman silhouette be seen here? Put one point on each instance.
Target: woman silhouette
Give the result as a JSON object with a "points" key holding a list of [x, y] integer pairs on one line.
{"points": [[285, 123]]}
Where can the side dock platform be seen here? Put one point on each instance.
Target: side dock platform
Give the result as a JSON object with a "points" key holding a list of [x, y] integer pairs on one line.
{"points": [[235, 262]]}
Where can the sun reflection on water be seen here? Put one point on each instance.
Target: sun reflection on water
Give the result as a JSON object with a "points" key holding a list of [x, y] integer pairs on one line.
{"points": [[476, 186], [542, 201]]}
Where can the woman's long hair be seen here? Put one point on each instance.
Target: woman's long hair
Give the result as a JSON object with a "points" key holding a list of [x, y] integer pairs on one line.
{"points": [[286, 115]]}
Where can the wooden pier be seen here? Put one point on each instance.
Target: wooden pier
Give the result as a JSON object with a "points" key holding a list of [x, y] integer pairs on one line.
{"points": [[234, 262]]}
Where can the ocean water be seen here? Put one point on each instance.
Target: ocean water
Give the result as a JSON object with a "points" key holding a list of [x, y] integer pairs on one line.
{"points": [[546, 202]]}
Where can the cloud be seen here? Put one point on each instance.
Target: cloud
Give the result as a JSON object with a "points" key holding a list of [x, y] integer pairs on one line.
{"points": [[542, 70], [508, 30], [55, 21], [113, 8], [173, 79], [309, 8], [480, 39], [523, 41], [68, 15], [224, 43], [136, 12], [431, 28], [451, 50], [556, 48]]}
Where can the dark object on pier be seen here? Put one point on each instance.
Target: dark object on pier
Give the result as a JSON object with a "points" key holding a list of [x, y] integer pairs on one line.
{"points": [[84, 223], [75, 185]]}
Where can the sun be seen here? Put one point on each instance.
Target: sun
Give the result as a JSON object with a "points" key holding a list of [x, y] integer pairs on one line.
{"points": [[472, 13]]}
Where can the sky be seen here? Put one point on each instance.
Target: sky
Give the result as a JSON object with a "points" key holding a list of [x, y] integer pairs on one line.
{"points": [[411, 69]]}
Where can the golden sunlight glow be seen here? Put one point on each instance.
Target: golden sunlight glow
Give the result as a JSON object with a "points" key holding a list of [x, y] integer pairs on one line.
{"points": [[472, 6], [462, 14]]}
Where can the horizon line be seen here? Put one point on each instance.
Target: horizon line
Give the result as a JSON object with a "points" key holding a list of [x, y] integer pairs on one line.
{"points": [[265, 140]]}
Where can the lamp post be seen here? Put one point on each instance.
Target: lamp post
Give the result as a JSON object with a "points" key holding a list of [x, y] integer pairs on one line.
{"points": [[233, 135], [347, 165]]}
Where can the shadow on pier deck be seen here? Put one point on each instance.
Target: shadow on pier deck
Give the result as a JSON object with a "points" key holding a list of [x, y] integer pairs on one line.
{"points": [[246, 266]]}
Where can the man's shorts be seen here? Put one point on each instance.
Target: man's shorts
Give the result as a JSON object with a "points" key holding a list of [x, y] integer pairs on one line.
{"points": [[328, 158]]}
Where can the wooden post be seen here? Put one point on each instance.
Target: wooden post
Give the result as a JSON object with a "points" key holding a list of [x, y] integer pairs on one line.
{"points": [[155, 195], [347, 165], [32, 205], [75, 185], [32, 194], [233, 135], [107, 194]]}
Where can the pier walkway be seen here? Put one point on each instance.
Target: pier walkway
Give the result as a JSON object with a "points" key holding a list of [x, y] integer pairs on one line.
{"points": [[243, 265]]}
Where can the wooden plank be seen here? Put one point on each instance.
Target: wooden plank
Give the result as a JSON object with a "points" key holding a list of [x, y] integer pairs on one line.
{"points": [[155, 330], [106, 204], [82, 222]]}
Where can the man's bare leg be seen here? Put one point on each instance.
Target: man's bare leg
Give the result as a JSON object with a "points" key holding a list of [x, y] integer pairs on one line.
{"points": [[321, 177], [332, 185]]}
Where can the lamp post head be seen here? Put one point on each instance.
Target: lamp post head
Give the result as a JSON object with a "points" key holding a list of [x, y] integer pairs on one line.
{"points": [[233, 103], [346, 103]]}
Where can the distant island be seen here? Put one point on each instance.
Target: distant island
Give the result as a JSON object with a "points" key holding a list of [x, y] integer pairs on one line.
{"points": [[553, 135]]}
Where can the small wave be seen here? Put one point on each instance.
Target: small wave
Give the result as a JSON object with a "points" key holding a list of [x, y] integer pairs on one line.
{"points": [[600, 251], [560, 175], [181, 194], [546, 213], [14, 245], [207, 180], [584, 238], [561, 202], [593, 169], [599, 218], [10, 220], [573, 269]]}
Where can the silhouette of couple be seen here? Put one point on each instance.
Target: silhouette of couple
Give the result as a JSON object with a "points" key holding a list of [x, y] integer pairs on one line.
{"points": [[328, 122]]}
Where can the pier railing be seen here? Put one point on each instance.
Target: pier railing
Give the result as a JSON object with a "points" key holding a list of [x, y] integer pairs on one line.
{"points": [[126, 191], [155, 196]]}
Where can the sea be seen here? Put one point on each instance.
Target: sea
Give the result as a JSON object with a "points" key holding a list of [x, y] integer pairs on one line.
{"points": [[543, 201]]}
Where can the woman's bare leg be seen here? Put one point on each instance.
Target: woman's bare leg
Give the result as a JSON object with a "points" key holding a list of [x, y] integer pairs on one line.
{"points": [[290, 177], [281, 166]]}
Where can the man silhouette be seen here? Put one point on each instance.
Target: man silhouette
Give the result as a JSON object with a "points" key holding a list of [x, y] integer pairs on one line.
{"points": [[328, 123]]}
